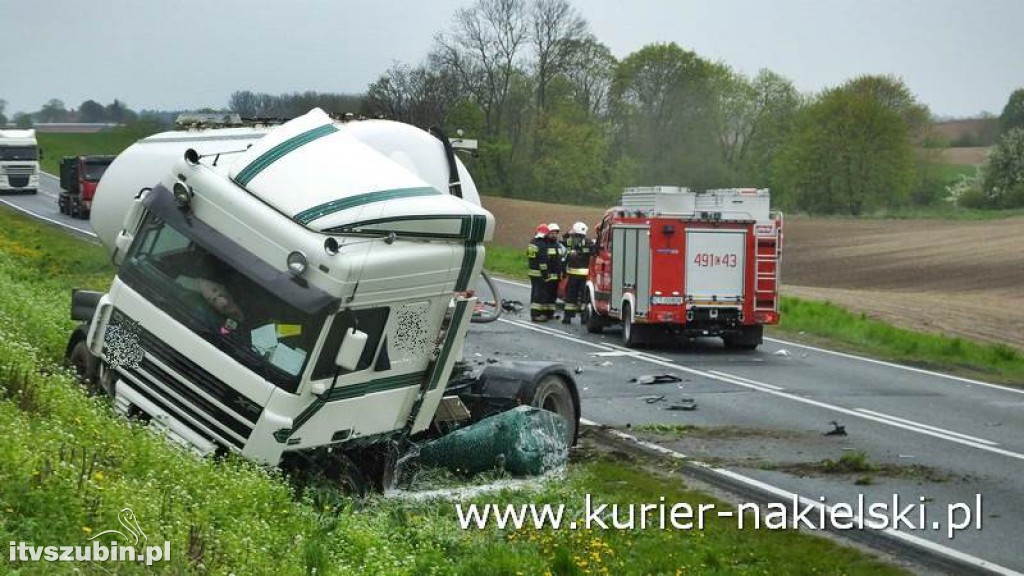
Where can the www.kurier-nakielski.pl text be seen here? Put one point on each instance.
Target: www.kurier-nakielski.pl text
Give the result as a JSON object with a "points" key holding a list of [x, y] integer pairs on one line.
{"points": [[898, 513]]}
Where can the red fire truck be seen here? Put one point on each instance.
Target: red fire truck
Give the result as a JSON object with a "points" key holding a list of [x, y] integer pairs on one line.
{"points": [[693, 264]]}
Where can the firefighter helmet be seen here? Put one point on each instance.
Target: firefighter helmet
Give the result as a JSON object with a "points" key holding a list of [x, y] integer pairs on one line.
{"points": [[542, 231], [579, 228], [553, 227]]}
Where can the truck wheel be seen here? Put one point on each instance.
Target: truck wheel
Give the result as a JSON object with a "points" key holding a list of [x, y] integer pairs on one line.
{"points": [[553, 394], [85, 366], [592, 320], [631, 333], [62, 204], [748, 339]]}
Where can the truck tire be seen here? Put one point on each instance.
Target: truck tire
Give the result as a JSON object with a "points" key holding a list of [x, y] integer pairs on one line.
{"points": [[749, 338], [553, 394], [592, 319], [62, 204], [632, 335], [85, 366]]}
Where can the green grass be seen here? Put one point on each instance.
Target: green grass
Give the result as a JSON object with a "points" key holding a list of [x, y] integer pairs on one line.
{"points": [[68, 464], [830, 325], [834, 326], [56, 146]]}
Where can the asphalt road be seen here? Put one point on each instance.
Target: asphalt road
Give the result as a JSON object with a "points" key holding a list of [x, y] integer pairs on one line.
{"points": [[43, 206], [944, 439]]}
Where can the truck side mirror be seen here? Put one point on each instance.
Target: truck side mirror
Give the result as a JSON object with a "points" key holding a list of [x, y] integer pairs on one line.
{"points": [[128, 226], [351, 349]]}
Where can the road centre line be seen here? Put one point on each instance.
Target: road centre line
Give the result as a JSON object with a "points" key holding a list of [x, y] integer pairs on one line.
{"points": [[763, 387], [928, 427], [747, 380]]}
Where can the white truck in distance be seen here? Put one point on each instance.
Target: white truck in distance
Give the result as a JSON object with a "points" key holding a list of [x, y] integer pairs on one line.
{"points": [[298, 295], [19, 161]]}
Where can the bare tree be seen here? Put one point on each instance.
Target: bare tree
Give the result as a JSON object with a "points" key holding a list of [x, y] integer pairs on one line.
{"points": [[557, 31], [484, 53]]}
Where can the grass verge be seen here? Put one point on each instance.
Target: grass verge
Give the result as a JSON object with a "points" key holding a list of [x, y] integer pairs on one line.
{"points": [[68, 465], [56, 146], [823, 322]]}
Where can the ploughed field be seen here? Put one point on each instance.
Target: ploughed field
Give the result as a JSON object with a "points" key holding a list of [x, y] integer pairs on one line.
{"points": [[959, 278]]}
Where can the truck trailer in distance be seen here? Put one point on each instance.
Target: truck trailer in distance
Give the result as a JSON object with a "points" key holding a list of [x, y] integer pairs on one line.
{"points": [[79, 177]]}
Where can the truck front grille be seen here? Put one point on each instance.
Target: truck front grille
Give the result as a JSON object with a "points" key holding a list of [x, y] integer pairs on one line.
{"points": [[17, 181], [19, 170], [218, 412]]}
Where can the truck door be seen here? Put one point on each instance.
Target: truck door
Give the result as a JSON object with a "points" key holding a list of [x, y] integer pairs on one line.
{"points": [[715, 264], [600, 273], [631, 265]]}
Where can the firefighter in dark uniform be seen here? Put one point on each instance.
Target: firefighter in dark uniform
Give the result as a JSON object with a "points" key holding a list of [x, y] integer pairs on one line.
{"points": [[537, 260], [555, 251], [579, 250]]}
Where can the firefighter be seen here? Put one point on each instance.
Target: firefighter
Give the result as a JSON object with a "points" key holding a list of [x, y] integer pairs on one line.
{"points": [[579, 250], [537, 260], [555, 251]]}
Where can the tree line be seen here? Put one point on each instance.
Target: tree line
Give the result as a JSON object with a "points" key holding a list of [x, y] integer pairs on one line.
{"points": [[559, 118]]}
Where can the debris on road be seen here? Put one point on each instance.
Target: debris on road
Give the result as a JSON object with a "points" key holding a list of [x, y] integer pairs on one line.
{"points": [[837, 429], [605, 363], [653, 399], [686, 404], [579, 369], [783, 352], [512, 306], [648, 379]]}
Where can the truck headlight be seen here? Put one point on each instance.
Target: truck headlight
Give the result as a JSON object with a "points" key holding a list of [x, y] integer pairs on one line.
{"points": [[297, 263]]}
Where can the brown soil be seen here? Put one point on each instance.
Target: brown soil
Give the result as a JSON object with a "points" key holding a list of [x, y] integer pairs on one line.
{"points": [[970, 156], [951, 277]]}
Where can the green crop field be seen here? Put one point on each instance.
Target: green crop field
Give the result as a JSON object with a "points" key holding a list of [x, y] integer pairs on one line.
{"points": [[56, 146]]}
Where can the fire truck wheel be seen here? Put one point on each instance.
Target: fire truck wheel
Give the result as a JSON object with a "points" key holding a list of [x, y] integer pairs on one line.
{"points": [[553, 394], [591, 319], [632, 335]]}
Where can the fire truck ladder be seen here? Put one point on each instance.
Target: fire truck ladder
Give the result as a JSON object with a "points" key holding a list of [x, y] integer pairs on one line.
{"points": [[766, 272]]}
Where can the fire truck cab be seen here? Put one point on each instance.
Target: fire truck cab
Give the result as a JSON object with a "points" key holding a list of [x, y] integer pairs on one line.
{"points": [[672, 260]]}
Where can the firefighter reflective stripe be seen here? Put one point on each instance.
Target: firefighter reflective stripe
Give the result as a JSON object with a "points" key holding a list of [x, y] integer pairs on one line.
{"points": [[578, 271], [533, 273], [552, 252]]}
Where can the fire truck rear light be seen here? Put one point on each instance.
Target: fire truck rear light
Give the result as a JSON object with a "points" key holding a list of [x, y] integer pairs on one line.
{"points": [[657, 292]]}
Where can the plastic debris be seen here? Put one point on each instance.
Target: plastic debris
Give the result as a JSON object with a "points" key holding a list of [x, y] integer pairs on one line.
{"points": [[579, 369], [523, 441], [653, 399], [782, 352], [648, 379], [605, 363]]}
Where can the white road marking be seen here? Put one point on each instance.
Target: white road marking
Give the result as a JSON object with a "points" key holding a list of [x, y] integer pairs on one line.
{"points": [[747, 380], [50, 220], [787, 496], [778, 391], [899, 366], [862, 358], [928, 427]]}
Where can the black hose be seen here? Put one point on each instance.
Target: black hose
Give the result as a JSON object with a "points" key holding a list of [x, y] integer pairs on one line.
{"points": [[487, 318]]}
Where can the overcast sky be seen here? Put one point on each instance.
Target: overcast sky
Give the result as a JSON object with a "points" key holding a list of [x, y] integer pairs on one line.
{"points": [[959, 57]]}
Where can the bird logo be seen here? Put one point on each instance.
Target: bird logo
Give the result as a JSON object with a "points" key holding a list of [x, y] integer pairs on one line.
{"points": [[130, 523]]}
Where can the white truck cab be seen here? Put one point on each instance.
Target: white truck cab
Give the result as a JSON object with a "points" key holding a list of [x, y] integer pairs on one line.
{"points": [[19, 161]]}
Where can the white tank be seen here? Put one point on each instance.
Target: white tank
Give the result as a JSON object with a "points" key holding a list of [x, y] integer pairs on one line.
{"points": [[149, 161]]}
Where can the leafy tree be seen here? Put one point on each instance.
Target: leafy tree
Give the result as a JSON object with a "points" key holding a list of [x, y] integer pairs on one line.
{"points": [[22, 120], [52, 111], [1003, 185], [117, 112], [1013, 113], [661, 104], [849, 153], [91, 111], [571, 151]]}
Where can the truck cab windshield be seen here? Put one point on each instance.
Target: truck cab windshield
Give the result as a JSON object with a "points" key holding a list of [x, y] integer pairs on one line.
{"points": [[256, 328], [26, 153], [94, 171]]}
